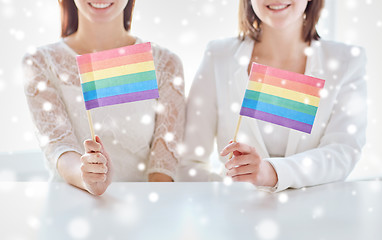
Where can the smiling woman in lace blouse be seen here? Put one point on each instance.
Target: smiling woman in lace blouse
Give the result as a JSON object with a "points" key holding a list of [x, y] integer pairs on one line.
{"points": [[138, 139]]}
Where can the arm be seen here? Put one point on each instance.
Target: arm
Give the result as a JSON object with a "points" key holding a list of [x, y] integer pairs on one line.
{"points": [[339, 149], [201, 124], [54, 130], [169, 123], [53, 127]]}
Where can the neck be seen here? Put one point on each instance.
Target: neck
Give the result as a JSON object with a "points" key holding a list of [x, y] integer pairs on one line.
{"points": [[94, 37], [283, 45]]}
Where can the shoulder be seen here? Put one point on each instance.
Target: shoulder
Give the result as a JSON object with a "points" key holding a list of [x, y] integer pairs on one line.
{"points": [[40, 55], [224, 46], [163, 55], [340, 51]]}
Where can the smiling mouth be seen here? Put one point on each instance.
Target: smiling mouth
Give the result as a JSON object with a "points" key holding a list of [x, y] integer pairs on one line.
{"points": [[278, 7], [100, 5]]}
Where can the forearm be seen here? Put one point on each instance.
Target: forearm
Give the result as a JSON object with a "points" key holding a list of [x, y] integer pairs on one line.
{"points": [[159, 177], [69, 168]]}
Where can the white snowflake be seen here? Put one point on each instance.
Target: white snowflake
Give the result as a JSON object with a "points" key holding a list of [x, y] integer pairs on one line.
{"points": [[244, 60], [283, 198], [64, 77], [184, 22], [351, 4], [14, 119], [355, 51], [323, 93], [41, 86], [121, 51], [227, 181], [28, 136], [199, 151], [146, 119], [267, 229], [141, 166], [333, 64], [192, 172], [47, 106], [2, 85], [268, 129], [97, 126], [178, 81], [308, 51], [208, 9], [188, 37], [44, 140], [7, 175], [157, 20], [79, 228], [33, 222], [317, 212], [32, 49], [153, 197], [180, 148], [307, 162], [235, 107], [169, 137], [352, 129]]}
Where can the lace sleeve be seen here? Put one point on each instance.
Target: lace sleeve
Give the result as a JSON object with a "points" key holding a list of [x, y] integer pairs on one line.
{"points": [[170, 118], [54, 130]]}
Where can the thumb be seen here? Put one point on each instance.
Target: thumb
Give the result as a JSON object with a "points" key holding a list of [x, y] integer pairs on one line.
{"points": [[98, 140]]}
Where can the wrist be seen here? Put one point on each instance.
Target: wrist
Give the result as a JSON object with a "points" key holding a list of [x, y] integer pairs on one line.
{"points": [[270, 177]]}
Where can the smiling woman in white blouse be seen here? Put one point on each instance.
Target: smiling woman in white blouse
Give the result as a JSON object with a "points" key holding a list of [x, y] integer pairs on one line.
{"points": [[279, 34], [138, 139]]}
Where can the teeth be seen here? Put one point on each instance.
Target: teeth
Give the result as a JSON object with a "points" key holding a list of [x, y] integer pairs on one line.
{"points": [[277, 7], [100, 5]]}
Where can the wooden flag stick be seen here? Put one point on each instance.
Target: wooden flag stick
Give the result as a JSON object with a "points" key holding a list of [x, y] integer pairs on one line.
{"points": [[91, 124], [234, 137]]}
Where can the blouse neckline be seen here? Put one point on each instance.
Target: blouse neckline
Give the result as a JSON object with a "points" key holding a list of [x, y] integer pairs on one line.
{"points": [[74, 53]]}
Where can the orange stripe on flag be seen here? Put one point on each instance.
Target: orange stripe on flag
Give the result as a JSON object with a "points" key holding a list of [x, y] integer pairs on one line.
{"points": [[284, 83], [116, 62]]}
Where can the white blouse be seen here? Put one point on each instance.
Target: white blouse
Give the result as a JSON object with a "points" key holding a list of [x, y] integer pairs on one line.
{"points": [[140, 137], [328, 154]]}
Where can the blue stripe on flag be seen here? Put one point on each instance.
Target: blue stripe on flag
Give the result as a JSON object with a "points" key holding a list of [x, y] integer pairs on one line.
{"points": [[279, 111]]}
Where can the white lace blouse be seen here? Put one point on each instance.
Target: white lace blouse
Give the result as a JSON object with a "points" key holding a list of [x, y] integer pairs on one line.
{"points": [[140, 137]]}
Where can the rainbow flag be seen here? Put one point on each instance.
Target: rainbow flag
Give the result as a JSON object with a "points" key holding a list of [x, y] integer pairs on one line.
{"points": [[284, 98], [120, 75]]}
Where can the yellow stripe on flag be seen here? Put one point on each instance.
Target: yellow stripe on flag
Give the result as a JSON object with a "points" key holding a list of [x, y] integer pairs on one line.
{"points": [[284, 93], [117, 71]]}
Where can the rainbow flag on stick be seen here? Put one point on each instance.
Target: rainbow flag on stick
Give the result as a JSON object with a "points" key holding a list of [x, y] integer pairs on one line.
{"points": [[284, 98], [120, 75], [116, 76]]}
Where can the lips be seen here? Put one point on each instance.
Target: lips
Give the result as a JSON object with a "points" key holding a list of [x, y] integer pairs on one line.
{"points": [[278, 6], [100, 5]]}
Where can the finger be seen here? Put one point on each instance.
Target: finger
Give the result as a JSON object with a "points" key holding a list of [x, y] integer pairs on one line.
{"points": [[98, 140], [242, 170], [93, 158], [243, 178], [93, 177], [94, 168], [242, 160], [92, 146], [236, 146]]}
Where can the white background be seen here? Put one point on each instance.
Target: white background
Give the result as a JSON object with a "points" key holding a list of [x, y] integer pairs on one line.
{"points": [[184, 27]]}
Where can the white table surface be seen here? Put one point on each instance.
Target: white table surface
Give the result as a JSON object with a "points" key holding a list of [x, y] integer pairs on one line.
{"points": [[40, 210]]}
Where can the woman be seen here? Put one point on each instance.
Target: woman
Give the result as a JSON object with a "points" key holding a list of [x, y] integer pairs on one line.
{"points": [[281, 35], [138, 139]]}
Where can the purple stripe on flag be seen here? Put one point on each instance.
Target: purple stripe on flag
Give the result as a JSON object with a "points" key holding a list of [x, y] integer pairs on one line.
{"points": [[124, 98], [286, 122]]}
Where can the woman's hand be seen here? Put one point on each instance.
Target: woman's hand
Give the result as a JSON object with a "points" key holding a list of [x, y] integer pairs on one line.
{"points": [[95, 167], [247, 166], [159, 177]]}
